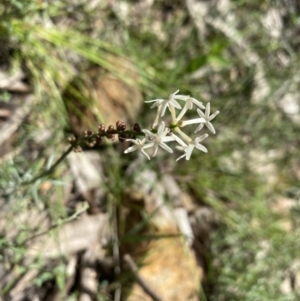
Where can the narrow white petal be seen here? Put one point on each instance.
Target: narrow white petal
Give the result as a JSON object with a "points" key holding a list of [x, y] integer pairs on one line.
{"points": [[201, 138], [154, 100], [207, 110], [175, 104], [132, 140], [147, 145], [180, 141], [131, 149], [143, 141], [189, 103], [198, 103], [156, 104], [201, 147], [163, 109], [192, 121], [161, 128], [180, 157], [201, 114], [150, 134], [155, 150], [166, 147], [181, 97], [199, 128], [213, 115], [189, 151], [173, 94], [181, 114], [210, 126], [145, 154]]}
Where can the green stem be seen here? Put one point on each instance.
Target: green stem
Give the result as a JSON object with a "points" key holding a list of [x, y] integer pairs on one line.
{"points": [[52, 168]]}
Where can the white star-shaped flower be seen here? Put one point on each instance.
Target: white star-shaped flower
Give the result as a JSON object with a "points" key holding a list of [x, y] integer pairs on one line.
{"points": [[139, 145], [164, 103], [189, 105], [188, 149], [207, 119], [160, 138]]}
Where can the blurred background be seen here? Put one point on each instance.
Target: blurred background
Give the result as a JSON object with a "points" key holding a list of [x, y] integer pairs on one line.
{"points": [[66, 67]]}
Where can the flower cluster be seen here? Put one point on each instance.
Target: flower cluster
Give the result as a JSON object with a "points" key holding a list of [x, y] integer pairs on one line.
{"points": [[161, 134]]}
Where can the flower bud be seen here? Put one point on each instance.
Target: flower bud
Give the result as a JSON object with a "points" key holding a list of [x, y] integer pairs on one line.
{"points": [[137, 127], [121, 126], [71, 139], [101, 128], [118, 123], [110, 132], [87, 133]]}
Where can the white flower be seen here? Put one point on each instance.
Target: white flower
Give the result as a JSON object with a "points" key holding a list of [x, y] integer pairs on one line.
{"points": [[188, 149], [192, 121], [160, 134], [189, 105], [164, 103], [140, 145], [207, 119], [160, 138]]}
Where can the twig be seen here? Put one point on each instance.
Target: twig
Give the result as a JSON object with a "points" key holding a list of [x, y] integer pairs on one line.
{"points": [[51, 169], [148, 290]]}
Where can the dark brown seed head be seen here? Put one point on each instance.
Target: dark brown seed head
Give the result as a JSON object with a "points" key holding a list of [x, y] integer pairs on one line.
{"points": [[137, 127], [118, 123], [101, 128], [110, 132], [121, 126], [71, 139], [110, 129]]}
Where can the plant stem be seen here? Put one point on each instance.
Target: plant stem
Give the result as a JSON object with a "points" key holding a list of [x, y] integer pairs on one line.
{"points": [[52, 168]]}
